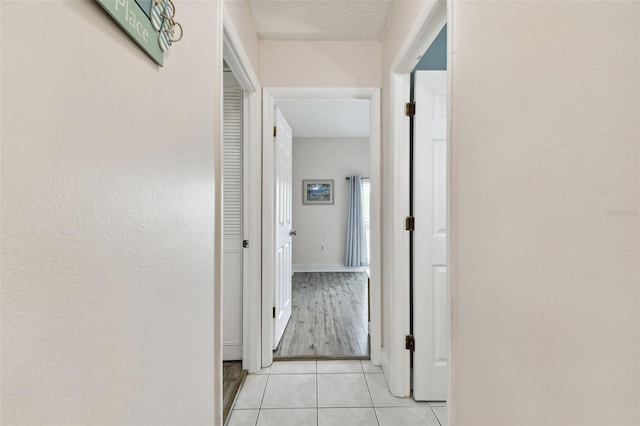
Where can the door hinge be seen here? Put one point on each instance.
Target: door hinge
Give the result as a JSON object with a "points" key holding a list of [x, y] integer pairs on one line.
{"points": [[245, 243], [274, 311], [275, 131], [410, 343], [410, 223], [410, 109]]}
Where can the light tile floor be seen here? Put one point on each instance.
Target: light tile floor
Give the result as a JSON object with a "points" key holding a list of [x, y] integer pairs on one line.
{"points": [[327, 393]]}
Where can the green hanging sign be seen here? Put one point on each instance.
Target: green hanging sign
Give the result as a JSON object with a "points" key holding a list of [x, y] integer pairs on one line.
{"points": [[137, 23]]}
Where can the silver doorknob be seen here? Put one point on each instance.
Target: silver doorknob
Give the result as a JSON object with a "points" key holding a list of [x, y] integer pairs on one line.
{"points": [[292, 233]]}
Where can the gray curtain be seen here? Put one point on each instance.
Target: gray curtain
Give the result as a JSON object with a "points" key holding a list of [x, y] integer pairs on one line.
{"points": [[355, 253]]}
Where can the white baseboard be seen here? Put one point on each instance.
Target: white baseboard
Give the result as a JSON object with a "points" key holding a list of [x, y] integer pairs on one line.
{"points": [[231, 352], [327, 268]]}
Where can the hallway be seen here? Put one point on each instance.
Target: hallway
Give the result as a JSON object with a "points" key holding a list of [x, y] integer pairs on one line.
{"points": [[113, 209], [327, 393]]}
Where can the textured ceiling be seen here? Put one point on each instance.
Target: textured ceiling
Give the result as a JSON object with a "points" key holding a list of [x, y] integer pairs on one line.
{"points": [[326, 118], [321, 19]]}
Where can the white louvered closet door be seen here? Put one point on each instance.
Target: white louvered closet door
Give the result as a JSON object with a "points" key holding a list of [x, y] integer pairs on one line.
{"points": [[232, 186]]}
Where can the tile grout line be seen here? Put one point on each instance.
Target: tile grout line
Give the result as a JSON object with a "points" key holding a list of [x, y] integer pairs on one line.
{"points": [[435, 415], [264, 392], [375, 412], [235, 401]]}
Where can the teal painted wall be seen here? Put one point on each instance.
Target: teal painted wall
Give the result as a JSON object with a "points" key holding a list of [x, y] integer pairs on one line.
{"points": [[435, 58]]}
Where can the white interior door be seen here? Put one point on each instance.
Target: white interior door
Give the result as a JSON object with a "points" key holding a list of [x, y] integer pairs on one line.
{"points": [[282, 267], [430, 283], [232, 187]]}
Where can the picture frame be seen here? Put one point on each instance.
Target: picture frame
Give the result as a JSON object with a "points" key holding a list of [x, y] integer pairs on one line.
{"points": [[317, 191]]}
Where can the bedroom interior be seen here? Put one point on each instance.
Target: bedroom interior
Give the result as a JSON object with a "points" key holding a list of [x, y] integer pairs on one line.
{"points": [[330, 311]]}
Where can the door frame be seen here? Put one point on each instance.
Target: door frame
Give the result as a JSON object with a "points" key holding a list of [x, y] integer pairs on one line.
{"points": [[270, 95], [238, 61], [424, 31]]}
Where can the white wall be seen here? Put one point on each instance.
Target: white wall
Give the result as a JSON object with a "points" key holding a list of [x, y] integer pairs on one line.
{"points": [[544, 210], [545, 226], [108, 171], [324, 158], [320, 64]]}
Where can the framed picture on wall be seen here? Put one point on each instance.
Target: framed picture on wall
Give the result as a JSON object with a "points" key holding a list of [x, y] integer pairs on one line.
{"points": [[317, 191]]}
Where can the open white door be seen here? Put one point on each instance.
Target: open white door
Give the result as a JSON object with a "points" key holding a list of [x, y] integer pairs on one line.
{"points": [[430, 283], [283, 232], [233, 201]]}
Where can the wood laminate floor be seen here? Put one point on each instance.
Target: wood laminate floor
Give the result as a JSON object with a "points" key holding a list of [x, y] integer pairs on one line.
{"points": [[328, 317]]}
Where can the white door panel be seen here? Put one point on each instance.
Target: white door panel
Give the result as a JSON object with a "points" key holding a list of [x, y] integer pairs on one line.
{"points": [[430, 283], [233, 196], [283, 271], [232, 294]]}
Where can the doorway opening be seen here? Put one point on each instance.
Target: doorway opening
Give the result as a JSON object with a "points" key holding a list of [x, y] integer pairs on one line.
{"points": [[234, 234], [233, 224], [327, 324], [239, 238], [330, 212], [424, 305], [240, 309]]}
